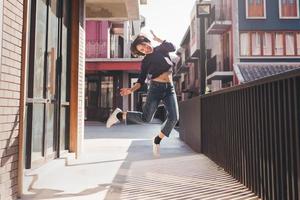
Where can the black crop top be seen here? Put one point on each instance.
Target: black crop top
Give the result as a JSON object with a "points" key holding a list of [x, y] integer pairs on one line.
{"points": [[155, 63]]}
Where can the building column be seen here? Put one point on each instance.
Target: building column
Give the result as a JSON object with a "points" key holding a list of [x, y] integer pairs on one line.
{"points": [[77, 63], [24, 64], [235, 32]]}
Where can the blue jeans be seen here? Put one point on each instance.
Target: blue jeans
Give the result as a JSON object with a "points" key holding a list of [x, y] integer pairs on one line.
{"points": [[158, 91]]}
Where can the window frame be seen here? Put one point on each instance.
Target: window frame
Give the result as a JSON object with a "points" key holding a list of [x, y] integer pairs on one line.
{"points": [[256, 33], [297, 42], [294, 36], [283, 17], [251, 17], [282, 43], [249, 44], [273, 44]]}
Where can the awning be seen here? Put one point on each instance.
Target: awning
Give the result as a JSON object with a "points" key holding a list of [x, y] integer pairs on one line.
{"points": [[113, 66], [221, 75]]}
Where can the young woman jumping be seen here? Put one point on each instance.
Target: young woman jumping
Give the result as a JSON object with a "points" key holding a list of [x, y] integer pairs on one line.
{"points": [[156, 63]]}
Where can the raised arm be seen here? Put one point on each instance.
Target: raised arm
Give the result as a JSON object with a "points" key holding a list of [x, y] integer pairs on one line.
{"points": [[165, 46]]}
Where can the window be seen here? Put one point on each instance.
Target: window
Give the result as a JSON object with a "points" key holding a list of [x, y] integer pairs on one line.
{"points": [[245, 44], [289, 8], [290, 44], [270, 44], [298, 43], [267, 44], [256, 44], [255, 8], [279, 44]]}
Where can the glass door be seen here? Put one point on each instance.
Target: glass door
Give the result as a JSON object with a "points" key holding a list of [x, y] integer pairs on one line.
{"points": [[51, 75], [46, 79], [106, 96], [63, 82], [35, 103], [92, 94]]}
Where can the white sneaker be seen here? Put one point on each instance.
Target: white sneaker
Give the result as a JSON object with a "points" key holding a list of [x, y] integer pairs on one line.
{"points": [[113, 118], [155, 149]]}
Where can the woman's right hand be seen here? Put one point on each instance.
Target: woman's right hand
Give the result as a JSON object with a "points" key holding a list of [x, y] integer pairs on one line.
{"points": [[155, 38], [125, 91]]}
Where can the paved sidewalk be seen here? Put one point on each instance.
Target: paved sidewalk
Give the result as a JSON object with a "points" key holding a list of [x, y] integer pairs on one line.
{"points": [[118, 164]]}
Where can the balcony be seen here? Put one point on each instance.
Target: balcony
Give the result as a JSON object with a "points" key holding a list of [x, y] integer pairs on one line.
{"points": [[182, 69], [120, 10], [96, 49], [113, 64], [211, 65], [213, 73], [220, 20]]}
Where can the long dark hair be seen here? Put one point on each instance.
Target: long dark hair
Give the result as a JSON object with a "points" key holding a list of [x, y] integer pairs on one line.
{"points": [[138, 40]]}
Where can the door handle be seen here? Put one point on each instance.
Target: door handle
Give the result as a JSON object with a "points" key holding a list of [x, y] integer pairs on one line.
{"points": [[51, 71]]}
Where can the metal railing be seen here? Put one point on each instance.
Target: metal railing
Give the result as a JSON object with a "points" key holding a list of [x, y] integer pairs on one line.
{"points": [[96, 49], [211, 65], [212, 17], [252, 131], [219, 12]]}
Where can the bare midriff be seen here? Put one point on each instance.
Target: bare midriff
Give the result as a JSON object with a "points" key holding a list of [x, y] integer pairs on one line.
{"points": [[165, 77]]}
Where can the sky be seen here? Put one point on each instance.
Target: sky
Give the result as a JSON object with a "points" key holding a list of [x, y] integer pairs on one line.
{"points": [[169, 19]]}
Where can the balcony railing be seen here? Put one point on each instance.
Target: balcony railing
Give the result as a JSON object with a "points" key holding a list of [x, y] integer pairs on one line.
{"points": [[225, 74], [219, 20], [96, 49], [252, 131], [226, 62], [211, 65]]}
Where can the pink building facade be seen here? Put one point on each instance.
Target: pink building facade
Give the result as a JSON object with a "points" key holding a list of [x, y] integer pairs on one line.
{"points": [[109, 67], [97, 40]]}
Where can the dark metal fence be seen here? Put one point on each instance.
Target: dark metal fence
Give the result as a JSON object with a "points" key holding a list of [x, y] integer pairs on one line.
{"points": [[252, 131], [189, 124]]}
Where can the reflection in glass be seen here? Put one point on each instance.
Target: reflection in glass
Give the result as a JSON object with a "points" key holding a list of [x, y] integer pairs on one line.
{"points": [[256, 44], [64, 76], [289, 8], [267, 44], [290, 44], [40, 48], [92, 94], [37, 131], [50, 129], [245, 44], [107, 92], [279, 44], [50, 133]]}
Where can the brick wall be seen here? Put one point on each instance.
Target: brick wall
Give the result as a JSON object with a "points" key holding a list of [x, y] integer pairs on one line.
{"points": [[10, 75]]}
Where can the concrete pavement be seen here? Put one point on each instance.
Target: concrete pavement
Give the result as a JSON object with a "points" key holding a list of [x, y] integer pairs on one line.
{"points": [[117, 163]]}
